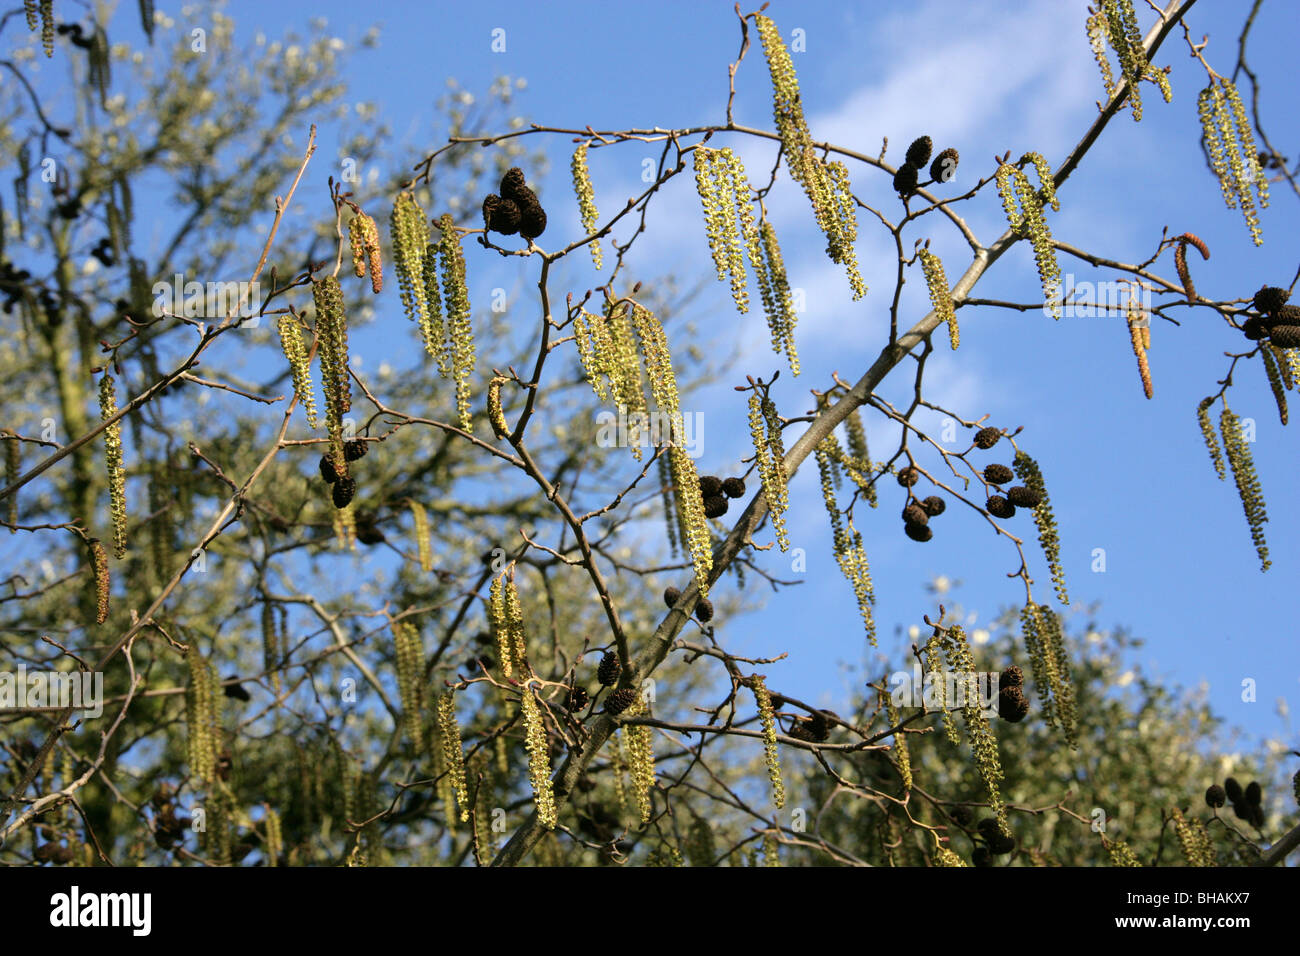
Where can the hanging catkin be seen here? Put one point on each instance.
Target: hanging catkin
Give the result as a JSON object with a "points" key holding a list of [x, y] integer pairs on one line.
{"points": [[113, 460]]}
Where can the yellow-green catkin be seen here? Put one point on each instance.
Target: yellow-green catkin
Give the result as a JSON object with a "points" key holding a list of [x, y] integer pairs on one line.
{"points": [[771, 851], [99, 570], [641, 758], [453, 750], [270, 646], [777, 301], [1048, 537], [47, 26], [694, 524], [859, 465], [539, 764], [945, 857], [1248, 486], [902, 759], [1207, 433], [1230, 144], [701, 847], [345, 527], [496, 414], [363, 237], [410, 236], [983, 744], [1045, 643], [201, 719], [506, 617], [716, 182], [113, 460], [1024, 210], [1097, 32], [933, 651], [586, 199], [617, 767], [13, 461], [771, 756], [826, 184], [30, 8], [295, 351], [1274, 380], [409, 654], [769, 451], [433, 328], [1288, 365], [850, 554], [457, 356], [420, 524], [1126, 40], [274, 838], [332, 336], [1193, 840], [936, 282], [1121, 854]]}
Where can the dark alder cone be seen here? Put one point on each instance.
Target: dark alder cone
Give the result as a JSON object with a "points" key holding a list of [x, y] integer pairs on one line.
{"points": [[620, 700], [918, 532], [1285, 336], [607, 672], [514, 185], [1215, 797], [45, 851], [704, 611], [999, 507], [986, 438], [61, 855], [998, 474], [799, 731], [944, 166], [1233, 790], [915, 514], [961, 815], [355, 449], [1256, 817], [918, 154], [777, 701], [671, 596], [981, 856], [1013, 676], [1270, 298], [343, 491], [327, 469], [1012, 704], [1253, 328], [501, 215], [819, 728], [715, 506], [998, 841], [367, 531], [237, 691], [908, 477], [1254, 795], [734, 487], [578, 698], [1287, 315], [532, 220], [1023, 497], [905, 180], [934, 506], [710, 485]]}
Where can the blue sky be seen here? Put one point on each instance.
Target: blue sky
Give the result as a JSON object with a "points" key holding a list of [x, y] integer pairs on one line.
{"points": [[1125, 474]]}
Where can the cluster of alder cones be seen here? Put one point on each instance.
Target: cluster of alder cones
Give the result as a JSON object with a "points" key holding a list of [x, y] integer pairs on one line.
{"points": [[703, 607], [516, 210], [1013, 705], [1277, 320], [1018, 496], [995, 842], [342, 487], [715, 491], [1247, 804], [942, 169]]}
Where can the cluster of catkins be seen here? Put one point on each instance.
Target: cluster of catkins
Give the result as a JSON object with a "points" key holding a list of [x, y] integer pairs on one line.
{"points": [[715, 491], [516, 210], [1279, 321], [1247, 804], [342, 487], [942, 170]]}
